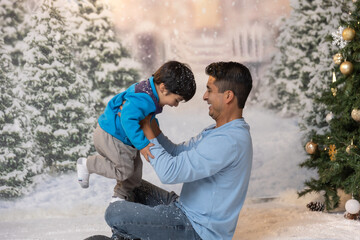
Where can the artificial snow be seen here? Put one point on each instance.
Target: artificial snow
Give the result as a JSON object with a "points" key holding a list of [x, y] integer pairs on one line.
{"points": [[60, 209]]}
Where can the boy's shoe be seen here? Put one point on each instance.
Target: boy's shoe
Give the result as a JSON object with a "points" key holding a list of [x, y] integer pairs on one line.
{"points": [[82, 172]]}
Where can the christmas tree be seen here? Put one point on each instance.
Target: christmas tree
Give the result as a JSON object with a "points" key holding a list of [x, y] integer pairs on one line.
{"points": [[334, 153], [313, 115]]}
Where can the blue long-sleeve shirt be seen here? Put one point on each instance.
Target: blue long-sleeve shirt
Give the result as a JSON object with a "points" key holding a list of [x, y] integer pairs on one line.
{"points": [[215, 168], [138, 101]]}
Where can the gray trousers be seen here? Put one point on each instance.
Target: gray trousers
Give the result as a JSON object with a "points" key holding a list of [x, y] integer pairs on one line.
{"points": [[118, 161]]}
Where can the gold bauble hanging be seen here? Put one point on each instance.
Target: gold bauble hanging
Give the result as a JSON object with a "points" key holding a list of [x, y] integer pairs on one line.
{"points": [[346, 68], [355, 114], [338, 58], [311, 147], [351, 147], [348, 34]]}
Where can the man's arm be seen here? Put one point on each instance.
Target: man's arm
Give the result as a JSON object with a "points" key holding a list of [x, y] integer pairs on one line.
{"points": [[204, 160], [153, 131]]}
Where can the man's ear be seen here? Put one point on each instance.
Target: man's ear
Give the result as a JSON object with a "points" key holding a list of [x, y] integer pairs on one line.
{"points": [[229, 96]]}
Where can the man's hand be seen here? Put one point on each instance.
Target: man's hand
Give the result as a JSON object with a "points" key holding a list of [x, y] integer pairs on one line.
{"points": [[146, 152]]}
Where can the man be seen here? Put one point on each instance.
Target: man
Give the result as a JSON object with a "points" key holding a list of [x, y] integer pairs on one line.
{"points": [[214, 168]]}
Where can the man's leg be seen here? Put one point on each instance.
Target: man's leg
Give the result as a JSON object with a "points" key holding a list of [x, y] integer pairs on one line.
{"points": [[154, 215]]}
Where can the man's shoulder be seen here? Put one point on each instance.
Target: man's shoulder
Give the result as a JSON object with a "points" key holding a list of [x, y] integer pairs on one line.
{"points": [[231, 134]]}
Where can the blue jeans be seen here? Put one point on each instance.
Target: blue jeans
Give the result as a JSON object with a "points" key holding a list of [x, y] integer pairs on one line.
{"points": [[152, 215]]}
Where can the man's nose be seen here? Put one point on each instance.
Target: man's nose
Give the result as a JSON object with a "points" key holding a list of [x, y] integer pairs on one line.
{"points": [[205, 96]]}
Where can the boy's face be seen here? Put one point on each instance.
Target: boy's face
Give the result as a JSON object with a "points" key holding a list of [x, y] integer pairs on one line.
{"points": [[170, 99]]}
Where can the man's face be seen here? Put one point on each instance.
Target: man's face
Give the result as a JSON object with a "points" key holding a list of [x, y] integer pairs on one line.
{"points": [[213, 98]]}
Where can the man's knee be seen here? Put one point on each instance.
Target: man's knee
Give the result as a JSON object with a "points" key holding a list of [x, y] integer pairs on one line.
{"points": [[116, 213]]}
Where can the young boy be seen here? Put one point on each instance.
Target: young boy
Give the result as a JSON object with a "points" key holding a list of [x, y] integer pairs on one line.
{"points": [[118, 137]]}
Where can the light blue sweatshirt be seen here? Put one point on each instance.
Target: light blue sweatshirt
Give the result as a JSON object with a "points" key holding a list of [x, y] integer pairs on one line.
{"points": [[215, 168]]}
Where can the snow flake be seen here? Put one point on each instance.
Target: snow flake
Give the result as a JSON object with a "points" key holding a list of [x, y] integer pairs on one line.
{"points": [[338, 39]]}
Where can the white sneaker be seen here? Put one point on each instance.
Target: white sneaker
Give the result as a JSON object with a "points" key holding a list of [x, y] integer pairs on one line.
{"points": [[116, 199], [83, 173]]}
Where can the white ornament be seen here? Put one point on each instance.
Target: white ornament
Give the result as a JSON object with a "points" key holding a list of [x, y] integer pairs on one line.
{"points": [[352, 206], [338, 39], [329, 117]]}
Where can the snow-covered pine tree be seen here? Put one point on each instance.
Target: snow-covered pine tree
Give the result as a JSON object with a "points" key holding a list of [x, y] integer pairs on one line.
{"points": [[57, 94], [100, 54], [294, 66], [16, 165], [12, 15], [12, 153], [335, 154]]}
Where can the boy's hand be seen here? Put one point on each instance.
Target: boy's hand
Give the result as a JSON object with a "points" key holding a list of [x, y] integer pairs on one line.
{"points": [[146, 152]]}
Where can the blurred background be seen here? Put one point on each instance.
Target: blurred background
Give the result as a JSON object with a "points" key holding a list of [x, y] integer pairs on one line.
{"points": [[199, 32]]}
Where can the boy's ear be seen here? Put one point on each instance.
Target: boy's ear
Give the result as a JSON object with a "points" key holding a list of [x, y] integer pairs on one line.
{"points": [[162, 88]]}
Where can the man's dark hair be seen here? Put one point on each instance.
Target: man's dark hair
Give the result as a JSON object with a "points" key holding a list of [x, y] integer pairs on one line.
{"points": [[177, 78], [231, 76]]}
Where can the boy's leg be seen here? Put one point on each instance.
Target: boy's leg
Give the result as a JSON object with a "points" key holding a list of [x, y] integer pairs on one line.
{"points": [[116, 160], [156, 217], [124, 189]]}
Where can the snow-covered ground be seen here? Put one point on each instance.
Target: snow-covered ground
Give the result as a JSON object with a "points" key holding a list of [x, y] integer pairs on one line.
{"points": [[60, 209]]}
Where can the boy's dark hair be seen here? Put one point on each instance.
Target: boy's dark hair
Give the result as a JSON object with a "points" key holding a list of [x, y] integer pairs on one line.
{"points": [[177, 78], [231, 76]]}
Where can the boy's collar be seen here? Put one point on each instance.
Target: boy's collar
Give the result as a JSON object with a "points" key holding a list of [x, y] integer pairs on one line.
{"points": [[152, 84]]}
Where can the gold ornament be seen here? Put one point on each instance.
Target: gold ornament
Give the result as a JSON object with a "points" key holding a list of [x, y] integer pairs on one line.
{"points": [[311, 147], [348, 34], [346, 68], [332, 152], [334, 90], [351, 147], [355, 114], [338, 58]]}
